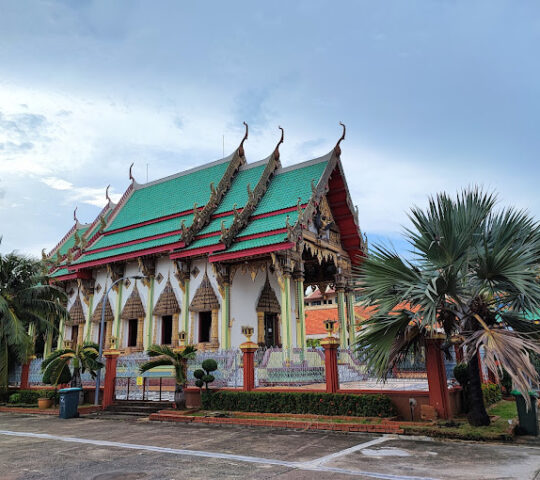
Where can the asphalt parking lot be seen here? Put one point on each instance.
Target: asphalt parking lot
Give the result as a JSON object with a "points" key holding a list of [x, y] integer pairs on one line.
{"points": [[39, 447]]}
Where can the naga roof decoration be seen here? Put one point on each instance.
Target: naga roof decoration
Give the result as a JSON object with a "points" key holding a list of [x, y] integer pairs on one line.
{"points": [[205, 298], [76, 314], [96, 316], [268, 301], [167, 303], [185, 215], [133, 307]]}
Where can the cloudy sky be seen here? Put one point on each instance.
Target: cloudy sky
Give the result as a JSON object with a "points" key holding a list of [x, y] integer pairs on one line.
{"points": [[436, 95]]}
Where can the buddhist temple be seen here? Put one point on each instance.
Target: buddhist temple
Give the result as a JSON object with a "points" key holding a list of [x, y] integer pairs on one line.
{"points": [[225, 245]]}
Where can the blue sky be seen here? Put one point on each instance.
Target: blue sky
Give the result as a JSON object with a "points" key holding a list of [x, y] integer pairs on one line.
{"points": [[436, 95]]}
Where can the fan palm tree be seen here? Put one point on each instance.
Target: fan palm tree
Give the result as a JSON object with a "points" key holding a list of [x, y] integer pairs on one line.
{"points": [[25, 298], [472, 275], [82, 358], [163, 355]]}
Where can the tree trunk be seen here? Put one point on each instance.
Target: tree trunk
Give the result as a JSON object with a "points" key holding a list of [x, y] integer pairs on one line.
{"points": [[477, 415], [179, 397], [76, 382]]}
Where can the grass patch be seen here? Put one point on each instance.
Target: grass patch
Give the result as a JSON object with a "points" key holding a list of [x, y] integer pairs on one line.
{"points": [[460, 428]]}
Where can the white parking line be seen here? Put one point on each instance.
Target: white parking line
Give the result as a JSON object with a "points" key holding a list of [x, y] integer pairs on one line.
{"points": [[347, 451], [312, 466]]}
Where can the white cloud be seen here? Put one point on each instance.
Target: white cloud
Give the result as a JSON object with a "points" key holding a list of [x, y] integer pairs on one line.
{"points": [[57, 183]]}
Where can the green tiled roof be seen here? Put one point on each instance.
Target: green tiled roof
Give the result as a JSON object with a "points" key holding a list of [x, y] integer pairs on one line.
{"points": [[257, 242], [59, 272], [238, 192], [285, 188], [267, 224], [149, 230], [70, 242], [130, 248], [90, 233], [203, 242], [169, 196]]}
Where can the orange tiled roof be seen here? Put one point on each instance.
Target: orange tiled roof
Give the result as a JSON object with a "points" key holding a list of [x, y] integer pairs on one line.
{"points": [[316, 316]]}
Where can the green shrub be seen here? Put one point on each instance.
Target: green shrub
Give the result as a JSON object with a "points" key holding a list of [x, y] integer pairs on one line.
{"points": [[204, 377], [299, 402], [27, 397], [461, 373], [492, 393]]}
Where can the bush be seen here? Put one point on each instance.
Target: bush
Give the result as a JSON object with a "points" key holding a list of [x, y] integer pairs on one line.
{"points": [[27, 397], [461, 373], [296, 402], [492, 393]]}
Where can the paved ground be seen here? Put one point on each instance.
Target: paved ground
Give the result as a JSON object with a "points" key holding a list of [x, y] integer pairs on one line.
{"points": [[38, 447]]}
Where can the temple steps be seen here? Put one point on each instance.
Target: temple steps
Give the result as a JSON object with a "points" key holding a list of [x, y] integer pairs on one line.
{"points": [[137, 408]]}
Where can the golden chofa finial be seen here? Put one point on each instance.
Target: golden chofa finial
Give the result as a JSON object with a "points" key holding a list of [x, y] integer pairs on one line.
{"points": [[131, 177], [337, 148], [241, 147], [276, 150], [107, 194], [75, 219]]}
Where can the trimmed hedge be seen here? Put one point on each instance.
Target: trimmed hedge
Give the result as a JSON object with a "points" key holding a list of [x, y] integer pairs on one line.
{"points": [[299, 402]]}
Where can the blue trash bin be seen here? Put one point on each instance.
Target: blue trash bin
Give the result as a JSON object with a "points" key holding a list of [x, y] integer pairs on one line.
{"points": [[69, 402]]}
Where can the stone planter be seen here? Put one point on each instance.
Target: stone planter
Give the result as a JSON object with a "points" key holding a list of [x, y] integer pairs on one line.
{"points": [[44, 403]]}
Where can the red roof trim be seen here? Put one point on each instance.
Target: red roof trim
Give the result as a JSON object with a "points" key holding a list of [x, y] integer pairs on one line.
{"points": [[261, 234], [276, 212], [149, 222], [252, 251], [130, 255], [197, 251], [71, 276]]}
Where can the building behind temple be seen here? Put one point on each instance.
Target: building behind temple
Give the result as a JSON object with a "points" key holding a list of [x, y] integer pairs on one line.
{"points": [[221, 246]]}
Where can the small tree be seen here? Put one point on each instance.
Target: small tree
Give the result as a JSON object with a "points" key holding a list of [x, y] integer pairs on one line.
{"points": [[204, 376], [177, 359]]}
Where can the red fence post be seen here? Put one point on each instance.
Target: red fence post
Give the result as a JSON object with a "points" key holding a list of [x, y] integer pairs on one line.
{"points": [[436, 376], [330, 345], [25, 372], [249, 348], [110, 378]]}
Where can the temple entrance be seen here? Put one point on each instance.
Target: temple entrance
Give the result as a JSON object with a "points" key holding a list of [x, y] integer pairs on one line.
{"points": [[270, 329]]}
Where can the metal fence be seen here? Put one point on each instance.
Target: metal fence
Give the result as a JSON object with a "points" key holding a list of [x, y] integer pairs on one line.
{"points": [[229, 372], [298, 367]]}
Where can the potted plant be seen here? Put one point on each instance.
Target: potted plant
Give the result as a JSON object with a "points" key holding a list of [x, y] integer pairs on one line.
{"points": [[176, 358]]}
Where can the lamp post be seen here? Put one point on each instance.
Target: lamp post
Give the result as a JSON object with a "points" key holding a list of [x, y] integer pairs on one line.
{"points": [[101, 335]]}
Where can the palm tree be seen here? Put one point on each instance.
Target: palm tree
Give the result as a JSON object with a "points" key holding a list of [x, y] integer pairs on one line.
{"points": [[163, 355], [472, 275], [82, 358], [25, 298]]}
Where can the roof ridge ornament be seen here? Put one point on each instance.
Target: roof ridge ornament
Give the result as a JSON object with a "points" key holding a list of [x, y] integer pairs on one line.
{"points": [[75, 215], [276, 150], [337, 148], [241, 147], [107, 195], [131, 177]]}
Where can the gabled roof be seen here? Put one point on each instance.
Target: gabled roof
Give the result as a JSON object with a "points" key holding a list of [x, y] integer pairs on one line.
{"points": [[76, 314], [96, 316], [205, 298], [133, 307], [255, 208], [167, 303]]}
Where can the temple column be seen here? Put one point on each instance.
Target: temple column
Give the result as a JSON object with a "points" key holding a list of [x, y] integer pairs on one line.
{"points": [[192, 329], [80, 336], [108, 334], [61, 329], [300, 310], [340, 288], [185, 309], [140, 333], [88, 323], [149, 313], [285, 287], [226, 316], [351, 316], [115, 339], [436, 376]]}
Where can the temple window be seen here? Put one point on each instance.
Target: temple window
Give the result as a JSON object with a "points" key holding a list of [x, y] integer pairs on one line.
{"points": [[205, 323], [166, 329]]}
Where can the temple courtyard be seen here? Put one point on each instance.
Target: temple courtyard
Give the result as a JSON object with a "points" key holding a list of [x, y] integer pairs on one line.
{"points": [[37, 447]]}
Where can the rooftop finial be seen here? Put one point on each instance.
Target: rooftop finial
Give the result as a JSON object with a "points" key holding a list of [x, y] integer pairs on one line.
{"points": [[337, 148], [131, 177], [276, 150], [241, 147], [107, 194], [75, 215]]}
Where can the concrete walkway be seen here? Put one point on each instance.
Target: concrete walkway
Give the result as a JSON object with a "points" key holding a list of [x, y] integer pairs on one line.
{"points": [[36, 447]]}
